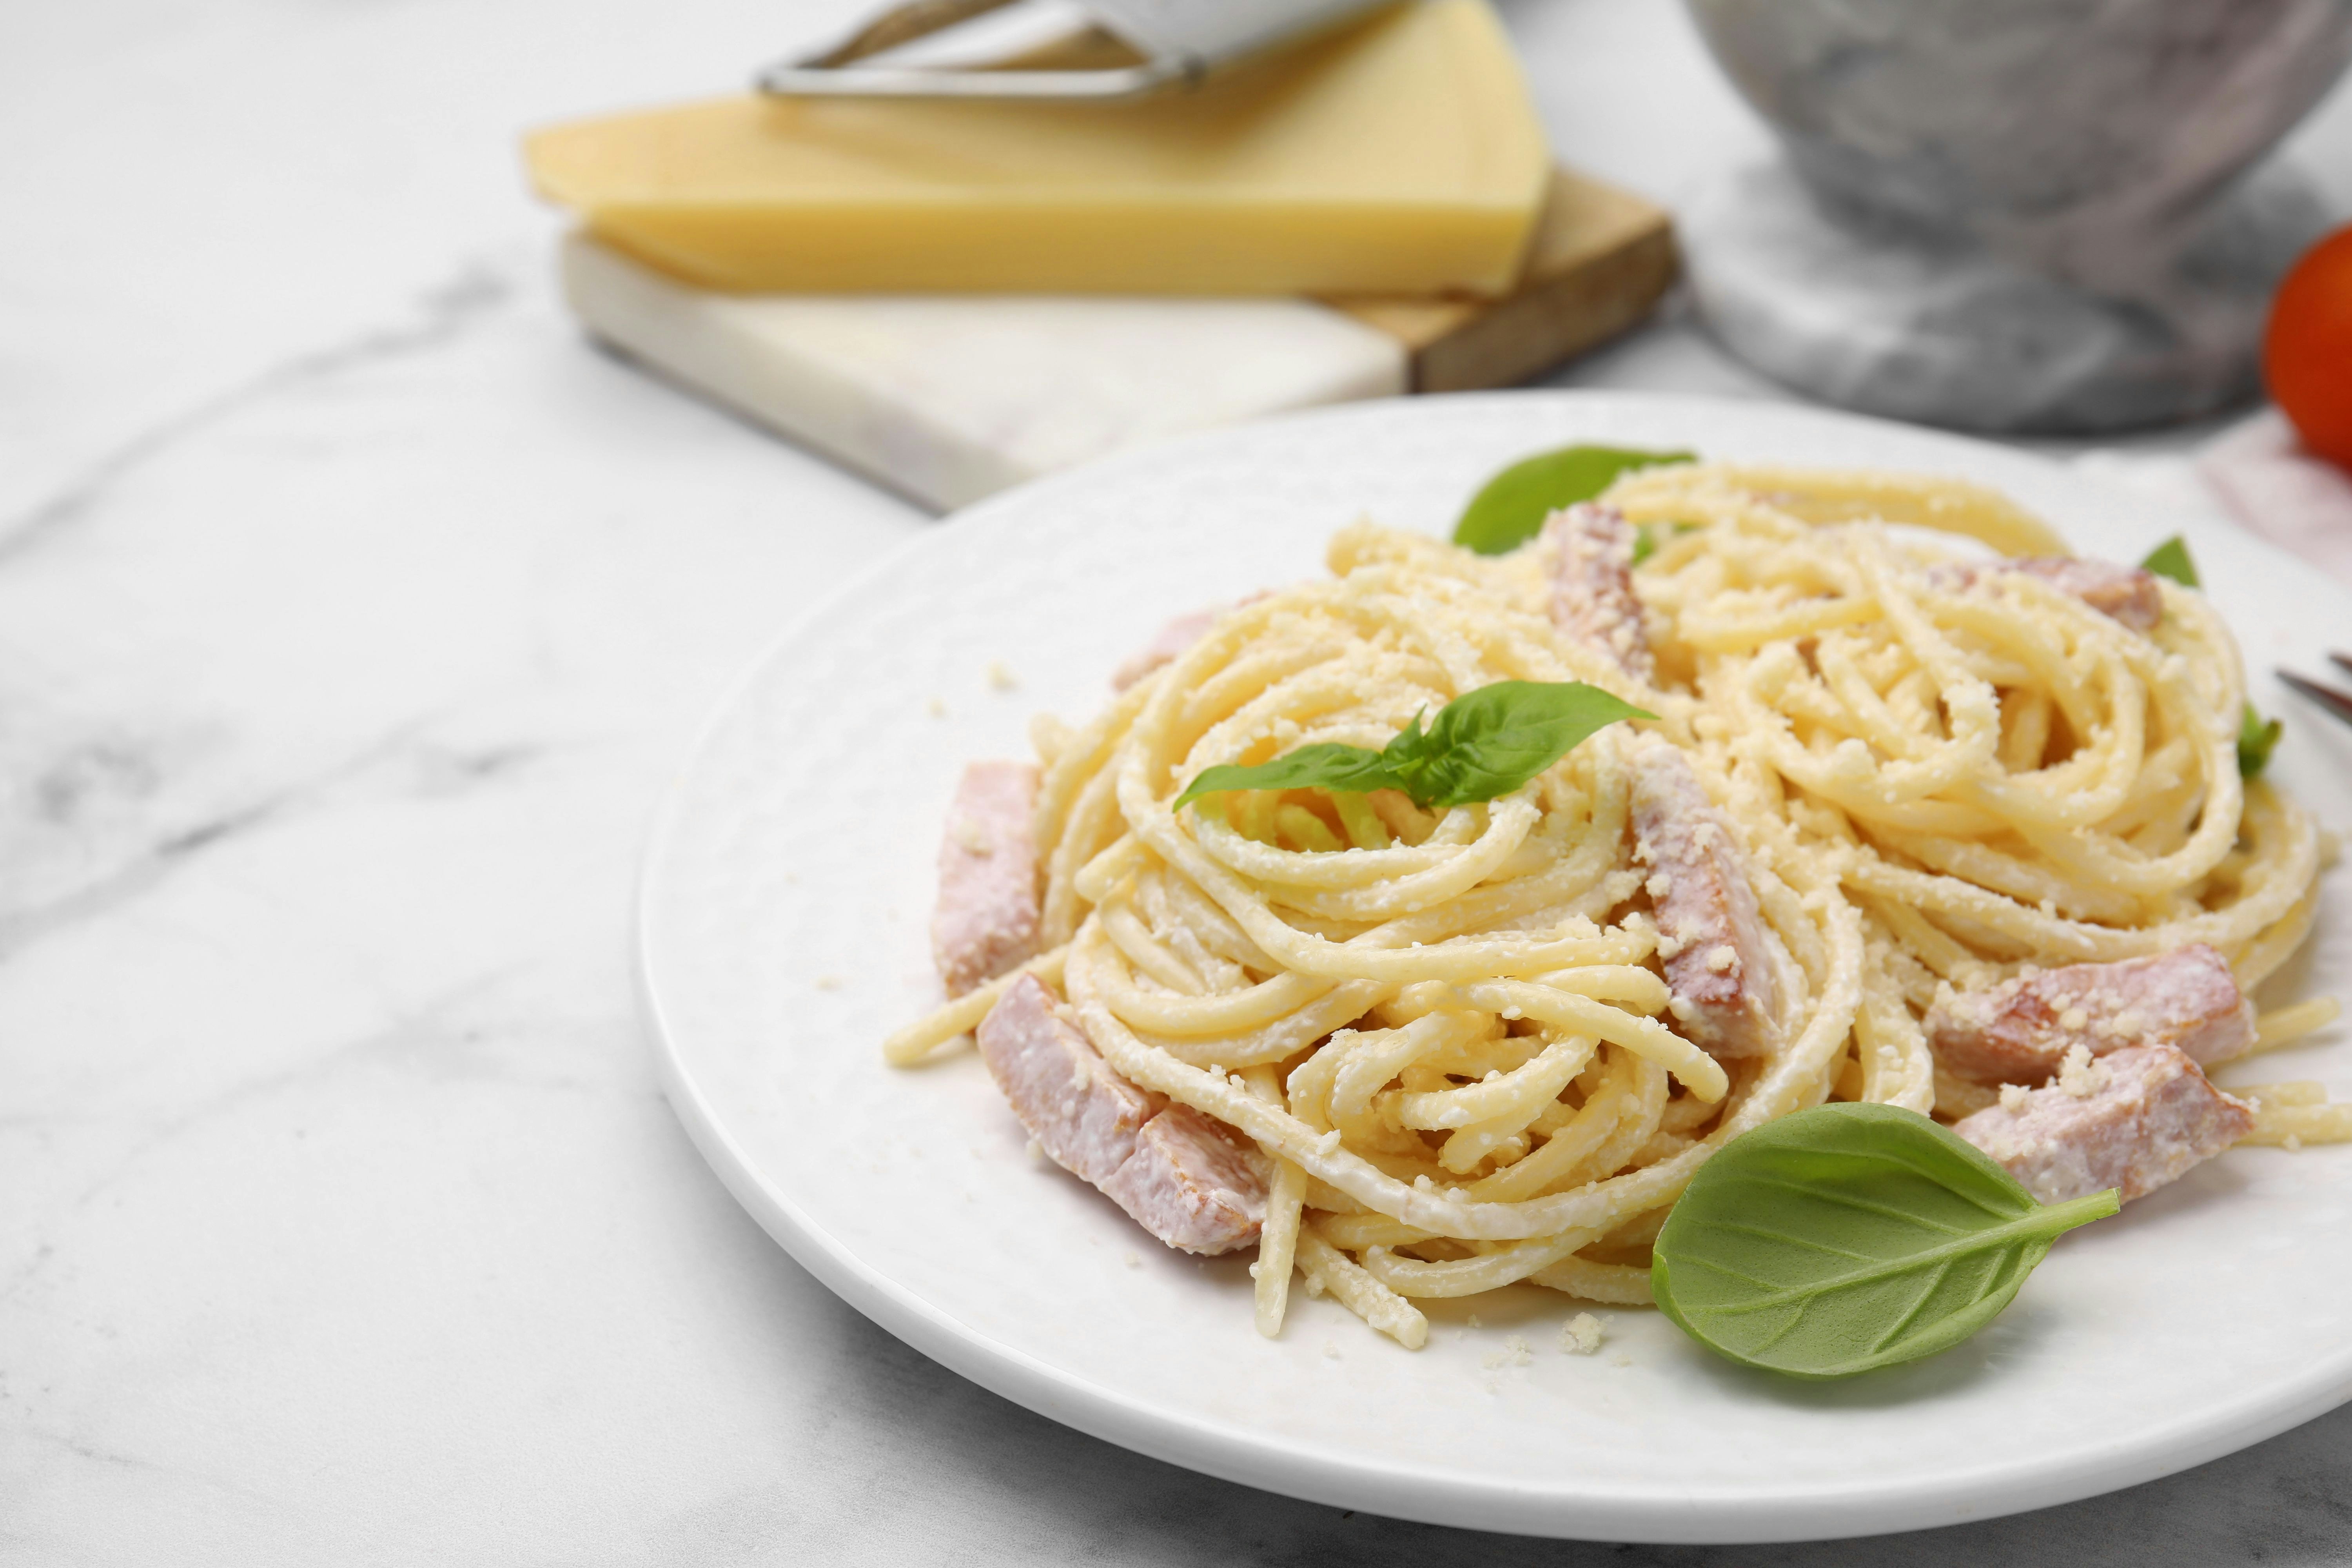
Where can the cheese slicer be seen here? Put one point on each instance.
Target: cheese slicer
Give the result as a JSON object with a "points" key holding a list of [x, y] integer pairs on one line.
{"points": [[1130, 48]]}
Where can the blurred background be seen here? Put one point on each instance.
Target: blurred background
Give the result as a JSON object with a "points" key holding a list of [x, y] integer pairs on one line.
{"points": [[258, 172]]}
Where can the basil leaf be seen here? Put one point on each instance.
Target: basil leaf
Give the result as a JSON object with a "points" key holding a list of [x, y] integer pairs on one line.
{"points": [[1324, 766], [1410, 750], [1509, 508], [1489, 741], [1482, 745], [1850, 1236], [2256, 741], [2171, 559]]}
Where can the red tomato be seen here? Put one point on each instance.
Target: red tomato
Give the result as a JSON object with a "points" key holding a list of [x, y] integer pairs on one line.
{"points": [[2307, 352]]}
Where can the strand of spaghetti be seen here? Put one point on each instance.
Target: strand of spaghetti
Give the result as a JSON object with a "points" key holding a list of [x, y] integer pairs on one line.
{"points": [[1517, 1094], [1352, 872], [1564, 1010], [2284, 1026], [1095, 880], [1091, 826], [1469, 1276], [1630, 1141], [1080, 758], [1327, 1268], [1277, 1236], [1611, 1284], [1821, 497], [1279, 1040], [1354, 1232], [1220, 974], [1277, 1246], [2254, 962], [1567, 1148], [1896, 1066], [1623, 983], [2295, 1125], [960, 1017], [1143, 951], [1373, 1058], [1233, 1012], [2300, 1091]]}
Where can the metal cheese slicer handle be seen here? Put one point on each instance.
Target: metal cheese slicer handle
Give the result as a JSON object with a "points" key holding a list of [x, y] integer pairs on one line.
{"points": [[1174, 41]]}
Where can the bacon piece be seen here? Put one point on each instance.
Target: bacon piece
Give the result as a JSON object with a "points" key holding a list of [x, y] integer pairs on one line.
{"points": [[1084, 1115], [2018, 1031], [1190, 1185], [2125, 594], [1175, 1171], [1593, 597], [986, 918], [2141, 1117], [1712, 937]]}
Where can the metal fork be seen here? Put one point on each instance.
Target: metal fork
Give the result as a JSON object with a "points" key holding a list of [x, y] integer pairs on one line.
{"points": [[2336, 702]]}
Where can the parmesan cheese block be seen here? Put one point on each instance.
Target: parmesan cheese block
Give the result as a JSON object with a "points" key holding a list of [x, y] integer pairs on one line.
{"points": [[1400, 155]]}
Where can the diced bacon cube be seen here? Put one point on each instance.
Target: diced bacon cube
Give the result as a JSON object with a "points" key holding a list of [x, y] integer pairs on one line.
{"points": [[1712, 936], [2145, 1116], [1084, 1115], [1179, 1173], [986, 918], [2126, 594], [2018, 1031], [1190, 1185], [1593, 597]]}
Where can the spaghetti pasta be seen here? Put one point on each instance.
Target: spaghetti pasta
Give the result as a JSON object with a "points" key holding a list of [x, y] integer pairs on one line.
{"points": [[1450, 1034]]}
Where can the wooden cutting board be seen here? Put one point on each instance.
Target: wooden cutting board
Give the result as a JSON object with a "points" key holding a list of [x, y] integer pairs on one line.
{"points": [[948, 398]]}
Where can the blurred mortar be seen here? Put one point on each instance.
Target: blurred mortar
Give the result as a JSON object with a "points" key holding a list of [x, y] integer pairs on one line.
{"points": [[2022, 215]]}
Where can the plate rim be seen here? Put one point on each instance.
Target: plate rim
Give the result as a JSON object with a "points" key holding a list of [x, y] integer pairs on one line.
{"points": [[1310, 1471]]}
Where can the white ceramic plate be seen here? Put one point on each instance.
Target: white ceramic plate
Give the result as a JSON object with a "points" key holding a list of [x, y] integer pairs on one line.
{"points": [[784, 908]]}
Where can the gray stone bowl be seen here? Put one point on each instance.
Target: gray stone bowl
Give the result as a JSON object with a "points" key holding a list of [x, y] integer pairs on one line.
{"points": [[2022, 213]]}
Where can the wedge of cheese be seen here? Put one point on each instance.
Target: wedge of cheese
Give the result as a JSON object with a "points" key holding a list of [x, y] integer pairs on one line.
{"points": [[1400, 155]]}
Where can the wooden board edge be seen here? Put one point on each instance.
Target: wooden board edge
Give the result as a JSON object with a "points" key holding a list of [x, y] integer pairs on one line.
{"points": [[1600, 260]]}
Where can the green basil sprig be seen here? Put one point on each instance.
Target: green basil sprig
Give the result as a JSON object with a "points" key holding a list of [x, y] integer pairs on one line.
{"points": [[1483, 744], [1509, 508], [2257, 739], [1850, 1236], [2171, 559]]}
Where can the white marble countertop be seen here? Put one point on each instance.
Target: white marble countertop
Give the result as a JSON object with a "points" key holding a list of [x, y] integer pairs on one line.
{"points": [[352, 612]]}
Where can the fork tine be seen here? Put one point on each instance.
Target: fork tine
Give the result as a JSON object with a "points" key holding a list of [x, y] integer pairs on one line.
{"points": [[2335, 701], [2343, 660]]}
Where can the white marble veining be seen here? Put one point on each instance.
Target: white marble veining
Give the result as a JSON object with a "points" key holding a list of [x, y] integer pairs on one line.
{"points": [[2014, 215], [1948, 330], [353, 614]]}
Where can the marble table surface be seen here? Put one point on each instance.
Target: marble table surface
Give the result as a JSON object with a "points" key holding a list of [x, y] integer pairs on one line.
{"points": [[352, 613]]}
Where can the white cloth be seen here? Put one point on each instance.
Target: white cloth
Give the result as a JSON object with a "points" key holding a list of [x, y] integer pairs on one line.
{"points": [[2257, 474], [2272, 485]]}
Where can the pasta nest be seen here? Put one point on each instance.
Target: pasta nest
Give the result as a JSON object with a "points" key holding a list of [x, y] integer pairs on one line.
{"points": [[1447, 1029]]}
